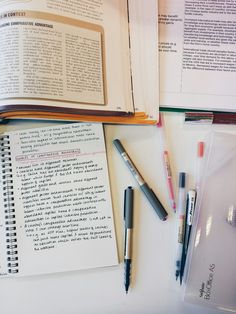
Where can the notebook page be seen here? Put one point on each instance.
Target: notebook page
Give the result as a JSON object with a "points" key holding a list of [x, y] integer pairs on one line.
{"points": [[62, 199]]}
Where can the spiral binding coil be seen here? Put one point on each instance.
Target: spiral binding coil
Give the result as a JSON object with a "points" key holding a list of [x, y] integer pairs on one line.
{"points": [[9, 206]]}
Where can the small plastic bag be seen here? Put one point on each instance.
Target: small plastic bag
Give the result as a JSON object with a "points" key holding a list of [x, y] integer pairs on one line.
{"points": [[211, 264]]}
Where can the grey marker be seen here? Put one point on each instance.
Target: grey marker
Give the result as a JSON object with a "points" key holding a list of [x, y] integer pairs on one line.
{"points": [[128, 218], [150, 195]]}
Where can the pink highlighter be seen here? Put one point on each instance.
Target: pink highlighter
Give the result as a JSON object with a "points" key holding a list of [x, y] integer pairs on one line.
{"points": [[166, 162]]}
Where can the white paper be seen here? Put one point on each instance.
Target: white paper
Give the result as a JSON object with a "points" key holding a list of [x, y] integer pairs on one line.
{"points": [[197, 54]]}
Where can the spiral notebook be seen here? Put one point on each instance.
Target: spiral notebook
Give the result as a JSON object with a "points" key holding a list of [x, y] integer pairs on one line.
{"points": [[55, 202]]}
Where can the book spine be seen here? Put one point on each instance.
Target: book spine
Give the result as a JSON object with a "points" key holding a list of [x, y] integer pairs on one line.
{"points": [[9, 206]]}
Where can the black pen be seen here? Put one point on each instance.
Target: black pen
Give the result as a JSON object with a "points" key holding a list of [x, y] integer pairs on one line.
{"points": [[147, 191], [190, 206], [128, 218]]}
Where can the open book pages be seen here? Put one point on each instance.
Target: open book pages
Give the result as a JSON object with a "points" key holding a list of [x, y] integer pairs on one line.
{"points": [[197, 50], [79, 60], [55, 201]]}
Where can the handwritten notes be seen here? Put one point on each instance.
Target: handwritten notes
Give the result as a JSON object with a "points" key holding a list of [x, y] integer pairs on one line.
{"points": [[60, 180], [62, 192]]}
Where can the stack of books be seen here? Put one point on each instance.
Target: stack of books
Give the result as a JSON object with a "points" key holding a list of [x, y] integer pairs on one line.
{"points": [[102, 63]]}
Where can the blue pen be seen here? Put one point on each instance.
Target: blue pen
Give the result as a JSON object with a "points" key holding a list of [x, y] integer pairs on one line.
{"points": [[191, 199], [181, 211]]}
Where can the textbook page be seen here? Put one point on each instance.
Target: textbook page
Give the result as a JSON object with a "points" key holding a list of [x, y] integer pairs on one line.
{"points": [[144, 42], [65, 54], [197, 49], [62, 200]]}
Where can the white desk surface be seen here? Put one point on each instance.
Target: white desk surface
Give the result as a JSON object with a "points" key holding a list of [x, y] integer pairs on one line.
{"points": [[153, 289]]}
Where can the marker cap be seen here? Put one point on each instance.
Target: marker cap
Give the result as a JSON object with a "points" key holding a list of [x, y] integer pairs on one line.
{"points": [[128, 207], [200, 150], [182, 179], [119, 146]]}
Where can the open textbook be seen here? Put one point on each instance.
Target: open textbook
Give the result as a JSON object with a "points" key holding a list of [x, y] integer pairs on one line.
{"points": [[197, 48], [55, 200], [81, 60]]}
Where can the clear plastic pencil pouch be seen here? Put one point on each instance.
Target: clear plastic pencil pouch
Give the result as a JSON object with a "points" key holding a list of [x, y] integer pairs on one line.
{"points": [[211, 263]]}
